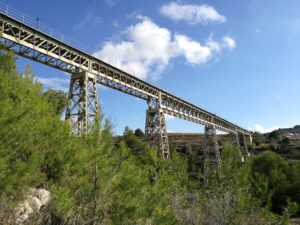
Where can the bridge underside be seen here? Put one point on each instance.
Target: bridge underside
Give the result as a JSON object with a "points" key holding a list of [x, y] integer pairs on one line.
{"points": [[40, 43], [84, 107]]}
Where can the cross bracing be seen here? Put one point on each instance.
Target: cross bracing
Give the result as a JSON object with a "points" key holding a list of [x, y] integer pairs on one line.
{"points": [[35, 41]]}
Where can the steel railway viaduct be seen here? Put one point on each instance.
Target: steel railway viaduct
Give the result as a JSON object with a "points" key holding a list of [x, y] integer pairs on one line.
{"points": [[29, 38]]}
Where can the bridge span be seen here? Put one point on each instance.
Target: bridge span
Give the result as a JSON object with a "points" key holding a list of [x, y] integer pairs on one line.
{"points": [[29, 38]]}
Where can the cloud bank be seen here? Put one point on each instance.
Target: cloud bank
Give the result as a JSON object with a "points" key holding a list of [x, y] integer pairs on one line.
{"points": [[259, 128], [147, 48], [192, 14]]}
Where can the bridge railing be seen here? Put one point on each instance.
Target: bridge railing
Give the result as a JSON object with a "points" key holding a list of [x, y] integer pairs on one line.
{"points": [[36, 24]]}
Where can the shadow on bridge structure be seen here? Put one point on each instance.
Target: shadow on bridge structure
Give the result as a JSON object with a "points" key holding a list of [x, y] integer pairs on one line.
{"points": [[29, 38]]}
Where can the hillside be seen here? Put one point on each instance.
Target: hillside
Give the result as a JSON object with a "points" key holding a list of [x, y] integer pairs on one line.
{"points": [[93, 180], [290, 132], [285, 142]]}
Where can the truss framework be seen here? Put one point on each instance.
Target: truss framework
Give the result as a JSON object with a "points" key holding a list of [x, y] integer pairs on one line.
{"points": [[84, 106], [237, 137], [211, 148], [155, 129], [30, 42], [244, 147]]}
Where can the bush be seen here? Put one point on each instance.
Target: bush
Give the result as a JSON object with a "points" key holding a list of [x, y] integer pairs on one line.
{"points": [[92, 181], [279, 181]]}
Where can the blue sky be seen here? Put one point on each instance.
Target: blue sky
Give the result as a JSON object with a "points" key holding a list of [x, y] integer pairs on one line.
{"points": [[238, 59]]}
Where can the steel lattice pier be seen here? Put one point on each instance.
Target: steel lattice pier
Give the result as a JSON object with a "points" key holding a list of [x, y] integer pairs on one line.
{"points": [[35, 41]]}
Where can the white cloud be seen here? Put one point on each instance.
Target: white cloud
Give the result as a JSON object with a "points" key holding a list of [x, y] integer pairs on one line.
{"points": [[148, 49], [228, 42], [55, 83], [259, 128], [169, 117], [193, 51], [89, 19], [110, 3], [116, 24], [193, 14]]}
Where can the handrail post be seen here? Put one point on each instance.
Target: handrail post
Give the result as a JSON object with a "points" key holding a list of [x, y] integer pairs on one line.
{"points": [[37, 23]]}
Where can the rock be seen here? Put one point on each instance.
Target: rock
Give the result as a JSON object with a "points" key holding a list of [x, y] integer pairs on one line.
{"points": [[43, 195], [35, 199]]}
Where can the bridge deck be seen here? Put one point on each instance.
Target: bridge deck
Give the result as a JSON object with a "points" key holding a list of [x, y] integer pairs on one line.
{"points": [[31, 39]]}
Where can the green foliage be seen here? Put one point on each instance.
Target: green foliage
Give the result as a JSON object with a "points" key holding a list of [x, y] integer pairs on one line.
{"points": [[258, 138], [280, 181], [272, 166], [21, 129], [139, 133], [227, 199], [278, 142], [94, 181], [57, 99], [274, 136], [29, 134], [90, 179]]}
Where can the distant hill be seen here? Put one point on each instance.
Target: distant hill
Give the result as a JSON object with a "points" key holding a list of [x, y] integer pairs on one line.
{"points": [[283, 141], [295, 131]]}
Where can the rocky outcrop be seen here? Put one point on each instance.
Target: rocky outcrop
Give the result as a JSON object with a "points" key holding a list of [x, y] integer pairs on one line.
{"points": [[34, 201]]}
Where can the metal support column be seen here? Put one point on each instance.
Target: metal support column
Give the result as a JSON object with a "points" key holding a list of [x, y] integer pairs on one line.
{"points": [[239, 146], [155, 129], [84, 105], [245, 146], [211, 147]]}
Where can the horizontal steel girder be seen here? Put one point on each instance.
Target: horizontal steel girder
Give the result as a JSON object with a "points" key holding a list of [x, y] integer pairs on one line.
{"points": [[31, 43]]}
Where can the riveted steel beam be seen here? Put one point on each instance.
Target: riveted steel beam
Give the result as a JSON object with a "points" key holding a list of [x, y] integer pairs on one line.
{"points": [[22, 35]]}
